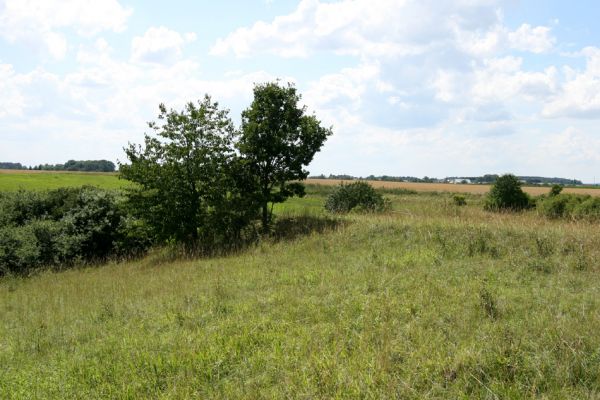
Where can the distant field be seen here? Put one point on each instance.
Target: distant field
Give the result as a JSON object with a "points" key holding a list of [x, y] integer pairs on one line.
{"points": [[450, 187], [41, 180]]}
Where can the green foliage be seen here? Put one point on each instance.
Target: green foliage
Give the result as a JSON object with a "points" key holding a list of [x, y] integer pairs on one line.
{"points": [[555, 190], [82, 165], [572, 206], [358, 196], [191, 186], [61, 227], [506, 194], [459, 200], [277, 141]]}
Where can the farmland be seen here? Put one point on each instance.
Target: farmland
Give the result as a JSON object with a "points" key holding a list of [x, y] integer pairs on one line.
{"points": [[428, 300], [43, 180], [454, 188]]}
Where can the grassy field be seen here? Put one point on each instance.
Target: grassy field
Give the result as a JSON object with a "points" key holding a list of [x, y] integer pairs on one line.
{"points": [[427, 301], [11, 180]]}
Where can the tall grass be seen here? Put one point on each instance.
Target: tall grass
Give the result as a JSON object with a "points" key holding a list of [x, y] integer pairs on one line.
{"points": [[430, 300]]}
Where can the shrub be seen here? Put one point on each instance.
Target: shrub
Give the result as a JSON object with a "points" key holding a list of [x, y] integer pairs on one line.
{"points": [[560, 205], [555, 190], [459, 200], [358, 196], [64, 226], [506, 194]]}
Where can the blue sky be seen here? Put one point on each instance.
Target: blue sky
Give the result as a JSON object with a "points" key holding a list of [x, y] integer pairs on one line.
{"points": [[436, 88]]}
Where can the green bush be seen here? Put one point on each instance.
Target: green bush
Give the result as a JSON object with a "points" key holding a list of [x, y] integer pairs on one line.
{"points": [[506, 194], [359, 196], [560, 205], [459, 200], [64, 226]]}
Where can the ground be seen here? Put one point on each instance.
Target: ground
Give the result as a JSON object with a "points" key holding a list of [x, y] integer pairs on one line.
{"points": [[429, 300]]}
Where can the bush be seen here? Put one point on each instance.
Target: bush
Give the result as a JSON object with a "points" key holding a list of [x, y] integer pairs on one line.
{"points": [[64, 226], [358, 196], [583, 207], [459, 200], [506, 194], [560, 205]]}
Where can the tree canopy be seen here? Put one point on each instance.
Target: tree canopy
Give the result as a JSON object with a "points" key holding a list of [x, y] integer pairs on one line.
{"points": [[278, 139]]}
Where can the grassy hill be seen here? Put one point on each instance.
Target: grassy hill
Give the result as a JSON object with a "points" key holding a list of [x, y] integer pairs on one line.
{"points": [[429, 300]]}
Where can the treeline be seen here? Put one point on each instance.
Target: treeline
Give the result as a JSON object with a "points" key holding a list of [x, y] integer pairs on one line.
{"points": [[201, 184], [82, 165], [484, 179], [530, 180], [71, 165], [11, 165], [385, 178]]}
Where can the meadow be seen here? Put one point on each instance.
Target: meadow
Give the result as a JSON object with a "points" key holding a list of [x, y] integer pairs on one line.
{"points": [[11, 180], [427, 301]]}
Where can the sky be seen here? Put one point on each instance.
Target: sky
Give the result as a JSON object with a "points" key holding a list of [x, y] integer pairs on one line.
{"points": [[410, 87]]}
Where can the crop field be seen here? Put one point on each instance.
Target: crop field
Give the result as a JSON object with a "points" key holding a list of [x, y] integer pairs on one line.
{"points": [[455, 188], [41, 180], [427, 301]]}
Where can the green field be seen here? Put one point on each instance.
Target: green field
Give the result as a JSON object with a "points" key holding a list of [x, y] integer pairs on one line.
{"points": [[16, 180], [427, 301]]}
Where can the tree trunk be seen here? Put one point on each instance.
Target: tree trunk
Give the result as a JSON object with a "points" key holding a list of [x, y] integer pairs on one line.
{"points": [[265, 217]]}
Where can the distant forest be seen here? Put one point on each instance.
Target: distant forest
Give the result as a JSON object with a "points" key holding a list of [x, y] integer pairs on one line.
{"points": [[71, 165], [485, 179]]}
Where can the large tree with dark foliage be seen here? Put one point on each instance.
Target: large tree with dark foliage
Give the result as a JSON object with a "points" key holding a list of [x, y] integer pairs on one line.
{"points": [[278, 139], [188, 188]]}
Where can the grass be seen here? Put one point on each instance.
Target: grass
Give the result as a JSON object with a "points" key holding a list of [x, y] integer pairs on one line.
{"points": [[42, 180], [429, 300]]}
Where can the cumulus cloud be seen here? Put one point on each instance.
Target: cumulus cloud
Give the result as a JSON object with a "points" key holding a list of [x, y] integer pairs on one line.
{"points": [[159, 45], [384, 28], [40, 22], [579, 96]]}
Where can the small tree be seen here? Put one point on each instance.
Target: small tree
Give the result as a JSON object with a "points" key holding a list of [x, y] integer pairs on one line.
{"points": [[506, 194], [186, 186], [356, 195], [277, 141]]}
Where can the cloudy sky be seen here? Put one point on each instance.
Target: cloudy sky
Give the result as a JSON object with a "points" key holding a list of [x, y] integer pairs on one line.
{"points": [[411, 87]]}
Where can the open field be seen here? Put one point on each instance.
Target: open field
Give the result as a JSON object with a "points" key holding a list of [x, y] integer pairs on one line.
{"points": [[450, 187], [427, 301], [42, 180]]}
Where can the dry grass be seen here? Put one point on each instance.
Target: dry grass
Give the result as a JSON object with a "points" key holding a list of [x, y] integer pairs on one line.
{"points": [[450, 187]]}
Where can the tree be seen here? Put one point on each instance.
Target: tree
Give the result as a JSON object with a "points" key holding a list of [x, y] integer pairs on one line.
{"points": [[186, 189], [506, 194], [277, 141]]}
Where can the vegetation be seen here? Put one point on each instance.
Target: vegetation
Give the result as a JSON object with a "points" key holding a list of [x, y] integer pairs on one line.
{"points": [[60, 227], [189, 188], [570, 206], [427, 301], [11, 165], [459, 200], [73, 165], [506, 194], [358, 196], [277, 141]]}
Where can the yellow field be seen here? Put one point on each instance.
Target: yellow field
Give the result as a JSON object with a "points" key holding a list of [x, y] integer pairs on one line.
{"points": [[450, 187]]}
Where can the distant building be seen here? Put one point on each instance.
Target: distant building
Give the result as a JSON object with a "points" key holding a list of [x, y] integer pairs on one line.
{"points": [[458, 180]]}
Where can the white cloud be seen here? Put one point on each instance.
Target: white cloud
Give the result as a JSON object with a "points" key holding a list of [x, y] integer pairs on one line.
{"points": [[159, 45], [528, 38], [40, 22], [579, 96], [358, 27], [12, 101]]}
